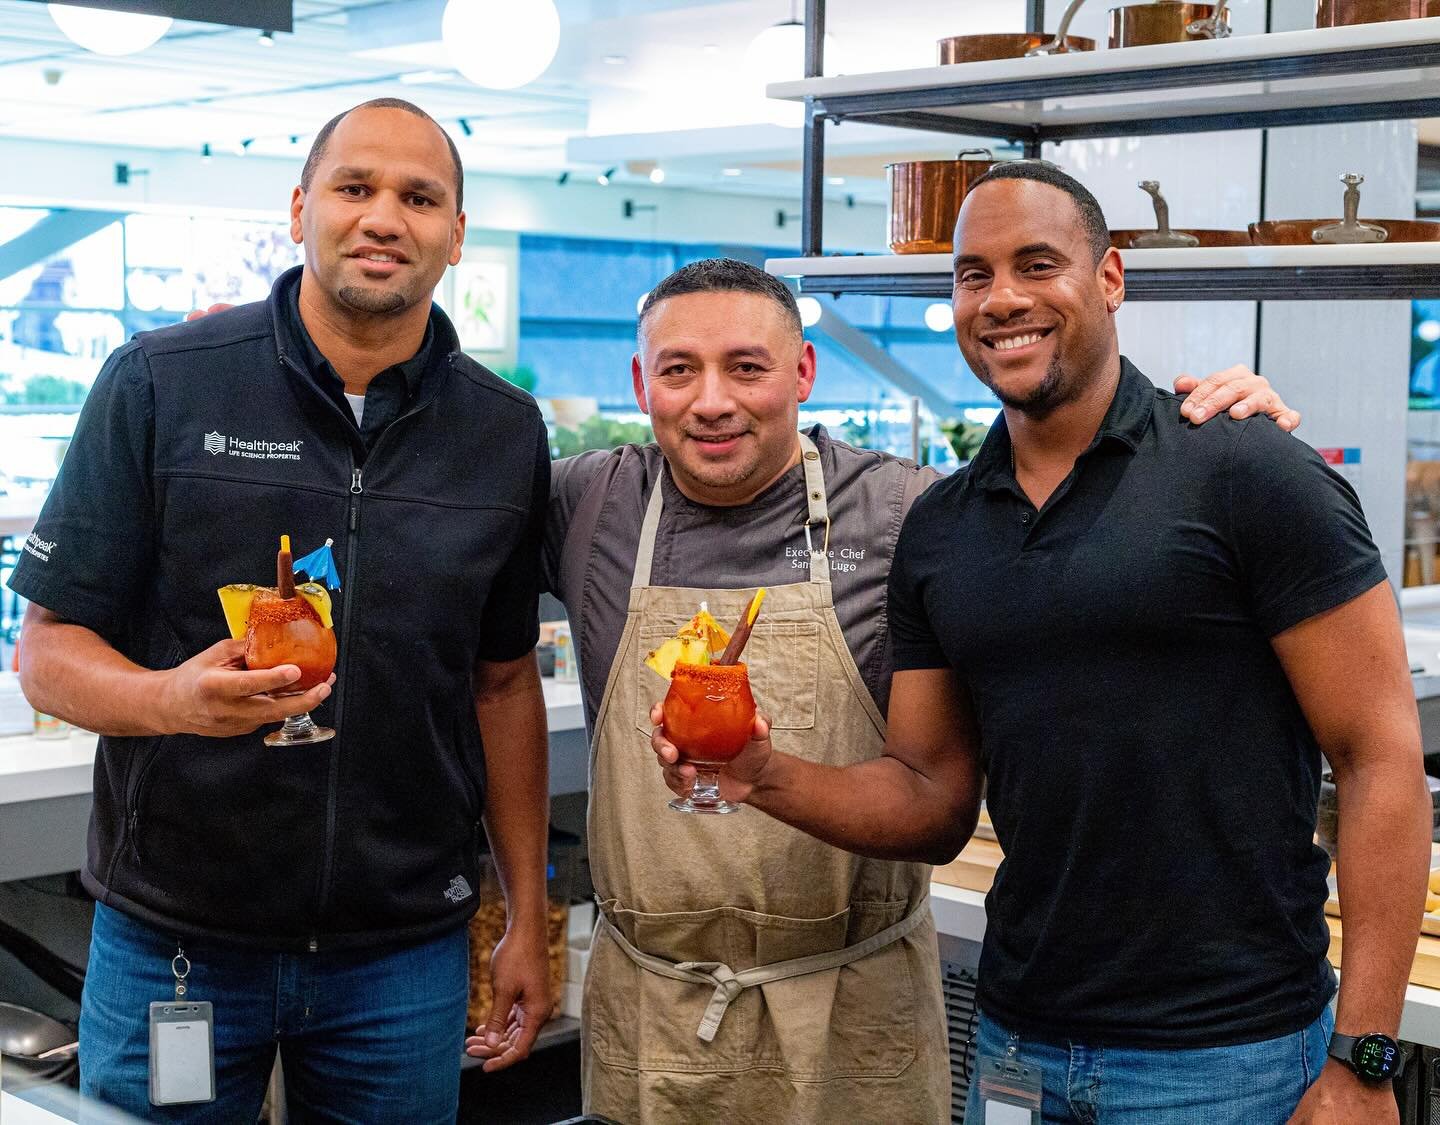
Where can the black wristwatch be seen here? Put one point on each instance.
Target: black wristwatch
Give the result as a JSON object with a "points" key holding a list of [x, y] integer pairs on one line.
{"points": [[1374, 1057]]}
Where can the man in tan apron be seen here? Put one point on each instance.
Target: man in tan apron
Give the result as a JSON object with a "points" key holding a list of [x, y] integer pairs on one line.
{"points": [[742, 971]]}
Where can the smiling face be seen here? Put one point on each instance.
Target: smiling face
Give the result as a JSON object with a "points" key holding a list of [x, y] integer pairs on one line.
{"points": [[379, 221], [1033, 309], [721, 375]]}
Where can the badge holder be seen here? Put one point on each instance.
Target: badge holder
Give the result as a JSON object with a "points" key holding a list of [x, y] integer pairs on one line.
{"points": [[1010, 1091], [182, 1044]]}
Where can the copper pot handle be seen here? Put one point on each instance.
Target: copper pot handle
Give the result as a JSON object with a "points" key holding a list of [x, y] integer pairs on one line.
{"points": [[985, 152], [1215, 26], [1057, 45], [1350, 229], [1164, 237]]}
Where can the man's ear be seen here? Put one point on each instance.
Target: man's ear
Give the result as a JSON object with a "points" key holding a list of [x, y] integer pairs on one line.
{"points": [[458, 239], [637, 379], [805, 376], [1112, 278], [297, 205]]}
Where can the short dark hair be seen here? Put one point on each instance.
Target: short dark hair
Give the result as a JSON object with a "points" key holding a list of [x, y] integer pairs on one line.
{"points": [[724, 275], [322, 141], [1097, 231]]}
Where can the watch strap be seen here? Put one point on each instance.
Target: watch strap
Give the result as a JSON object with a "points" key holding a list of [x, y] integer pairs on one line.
{"points": [[1342, 1047]]}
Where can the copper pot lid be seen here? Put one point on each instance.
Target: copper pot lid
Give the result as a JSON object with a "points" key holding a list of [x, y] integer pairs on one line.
{"points": [[1165, 237], [1349, 230]]}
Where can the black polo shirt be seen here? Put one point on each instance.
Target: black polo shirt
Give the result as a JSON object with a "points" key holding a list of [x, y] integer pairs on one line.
{"points": [[388, 393], [1150, 775]]}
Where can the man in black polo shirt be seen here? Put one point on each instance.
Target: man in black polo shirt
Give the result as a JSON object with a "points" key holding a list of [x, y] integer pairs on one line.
{"points": [[315, 896], [1156, 942]]}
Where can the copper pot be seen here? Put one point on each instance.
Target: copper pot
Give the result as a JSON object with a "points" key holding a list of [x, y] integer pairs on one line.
{"points": [[925, 198], [1005, 45], [1349, 230], [1164, 237], [1344, 13], [1015, 45], [1167, 21]]}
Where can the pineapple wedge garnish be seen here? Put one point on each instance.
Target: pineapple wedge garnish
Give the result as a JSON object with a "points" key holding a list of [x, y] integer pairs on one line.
{"points": [[697, 642], [319, 599], [235, 600]]}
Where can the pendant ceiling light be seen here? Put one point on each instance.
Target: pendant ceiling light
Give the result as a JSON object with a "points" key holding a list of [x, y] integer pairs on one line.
{"points": [[108, 33], [501, 44], [777, 54]]}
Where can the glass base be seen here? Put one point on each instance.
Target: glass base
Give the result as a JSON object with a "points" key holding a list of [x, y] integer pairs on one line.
{"points": [[718, 807], [704, 795], [299, 730]]}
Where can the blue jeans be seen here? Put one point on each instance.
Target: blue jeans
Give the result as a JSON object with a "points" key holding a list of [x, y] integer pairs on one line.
{"points": [[1248, 1084], [364, 1035]]}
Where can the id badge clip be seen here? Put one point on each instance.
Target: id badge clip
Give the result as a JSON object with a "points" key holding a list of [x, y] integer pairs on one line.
{"points": [[182, 1044], [1010, 1091]]}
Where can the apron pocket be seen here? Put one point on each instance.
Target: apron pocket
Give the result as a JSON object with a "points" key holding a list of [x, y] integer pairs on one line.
{"points": [[783, 657], [857, 1021]]}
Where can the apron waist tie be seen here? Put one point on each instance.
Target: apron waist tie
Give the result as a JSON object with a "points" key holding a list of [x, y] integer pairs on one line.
{"points": [[729, 984]]}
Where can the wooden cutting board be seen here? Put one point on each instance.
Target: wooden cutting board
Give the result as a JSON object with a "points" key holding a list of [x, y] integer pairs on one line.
{"points": [[974, 869]]}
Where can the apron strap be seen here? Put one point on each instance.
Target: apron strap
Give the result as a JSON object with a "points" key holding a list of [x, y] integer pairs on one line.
{"points": [[729, 984], [817, 515], [645, 553]]}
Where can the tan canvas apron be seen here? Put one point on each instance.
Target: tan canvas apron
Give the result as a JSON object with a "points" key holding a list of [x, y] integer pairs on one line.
{"points": [[690, 1024]]}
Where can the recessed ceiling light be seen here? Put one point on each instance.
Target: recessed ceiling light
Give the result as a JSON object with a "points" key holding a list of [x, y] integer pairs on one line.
{"points": [[939, 317], [836, 181], [729, 171], [711, 48], [657, 175], [616, 60]]}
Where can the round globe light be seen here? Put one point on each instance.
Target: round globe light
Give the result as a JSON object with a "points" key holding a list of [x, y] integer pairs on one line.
{"points": [[810, 311], [108, 33], [501, 44], [1428, 330], [777, 54], [939, 317]]}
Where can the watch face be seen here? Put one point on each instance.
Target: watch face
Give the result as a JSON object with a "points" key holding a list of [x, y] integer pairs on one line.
{"points": [[1376, 1057]]}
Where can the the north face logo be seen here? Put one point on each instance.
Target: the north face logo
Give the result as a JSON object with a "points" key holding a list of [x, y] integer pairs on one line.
{"points": [[214, 443], [458, 890]]}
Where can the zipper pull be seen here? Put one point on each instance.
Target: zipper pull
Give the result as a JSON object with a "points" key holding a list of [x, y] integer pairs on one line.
{"points": [[355, 488]]}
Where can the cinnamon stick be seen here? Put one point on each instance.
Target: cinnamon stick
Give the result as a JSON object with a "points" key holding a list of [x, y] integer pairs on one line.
{"points": [[732, 652], [285, 570]]}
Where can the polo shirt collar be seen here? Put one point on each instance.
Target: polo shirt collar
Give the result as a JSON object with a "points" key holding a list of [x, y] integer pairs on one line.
{"points": [[295, 341], [1125, 422]]}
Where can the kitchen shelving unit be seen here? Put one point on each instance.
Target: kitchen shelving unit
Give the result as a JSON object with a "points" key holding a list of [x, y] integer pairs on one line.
{"points": [[1368, 72]]}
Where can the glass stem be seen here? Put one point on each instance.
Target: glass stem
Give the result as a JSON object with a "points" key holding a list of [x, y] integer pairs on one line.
{"points": [[706, 789], [298, 725]]}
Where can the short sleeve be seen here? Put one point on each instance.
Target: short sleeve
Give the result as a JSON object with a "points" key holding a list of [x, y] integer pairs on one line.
{"points": [[912, 633], [569, 478], [1299, 532], [511, 617], [88, 558]]}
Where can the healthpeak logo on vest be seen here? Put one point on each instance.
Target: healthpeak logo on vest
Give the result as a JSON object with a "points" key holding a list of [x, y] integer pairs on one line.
{"points": [[217, 443]]}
